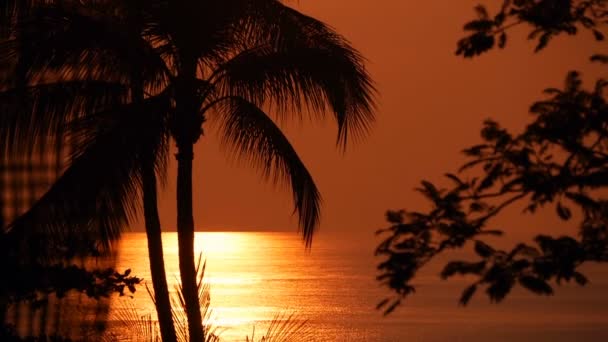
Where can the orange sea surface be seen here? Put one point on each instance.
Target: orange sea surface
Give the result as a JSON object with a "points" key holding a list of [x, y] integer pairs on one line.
{"points": [[255, 276]]}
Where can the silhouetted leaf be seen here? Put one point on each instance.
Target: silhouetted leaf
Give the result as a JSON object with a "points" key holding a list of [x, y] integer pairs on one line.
{"points": [[543, 41], [392, 307], [524, 250], [462, 267], [475, 44], [475, 150], [481, 11], [582, 199], [382, 303], [395, 216], [580, 278], [499, 18], [536, 285], [499, 289], [599, 58], [598, 35], [430, 190], [483, 249], [479, 25], [491, 176], [467, 294], [455, 178]]}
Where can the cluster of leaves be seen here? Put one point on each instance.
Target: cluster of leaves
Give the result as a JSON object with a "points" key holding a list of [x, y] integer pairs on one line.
{"points": [[548, 18], [34, 282], [560, 159]]}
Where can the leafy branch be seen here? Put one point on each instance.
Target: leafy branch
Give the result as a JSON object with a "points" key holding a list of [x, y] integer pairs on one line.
{"points": [[560, 159], [547, 19], [31, 283]]}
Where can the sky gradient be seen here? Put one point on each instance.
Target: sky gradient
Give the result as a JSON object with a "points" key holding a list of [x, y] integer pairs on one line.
{"points": [[431, 105]]}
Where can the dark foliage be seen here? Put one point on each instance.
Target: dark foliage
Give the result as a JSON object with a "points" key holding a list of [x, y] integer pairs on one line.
{"points": [[34, 282], [547, 18], [559, 160]]}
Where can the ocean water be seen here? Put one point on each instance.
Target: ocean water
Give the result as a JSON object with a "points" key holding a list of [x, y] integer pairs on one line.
{"points": [[255, 276]]}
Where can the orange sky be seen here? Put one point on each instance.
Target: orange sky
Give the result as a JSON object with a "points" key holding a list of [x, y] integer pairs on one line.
{"points": [[431, 105]]}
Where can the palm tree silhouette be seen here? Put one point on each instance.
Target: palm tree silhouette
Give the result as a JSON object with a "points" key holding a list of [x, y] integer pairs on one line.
{"points": [[227, 62], [94, 95]]}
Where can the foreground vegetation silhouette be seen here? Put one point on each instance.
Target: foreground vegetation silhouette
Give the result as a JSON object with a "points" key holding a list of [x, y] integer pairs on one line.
{"points": [[120, 79], [560, 159], [283, 327], [56, 282]]}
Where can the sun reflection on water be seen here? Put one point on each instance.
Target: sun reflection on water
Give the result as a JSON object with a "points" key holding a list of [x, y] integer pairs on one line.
{"points": [[246, 274]]}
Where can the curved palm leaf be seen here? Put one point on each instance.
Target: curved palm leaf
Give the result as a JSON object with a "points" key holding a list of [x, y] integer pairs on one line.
{"points": [[293, 59], [32, 115], [112, 150], [290, 61], [82, 42], [251, 135], [297, 76]]}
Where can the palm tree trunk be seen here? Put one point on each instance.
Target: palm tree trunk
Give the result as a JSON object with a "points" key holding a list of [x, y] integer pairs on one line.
{"points": [[155, 254], [186, 131], [153, 232], [185, 236]]}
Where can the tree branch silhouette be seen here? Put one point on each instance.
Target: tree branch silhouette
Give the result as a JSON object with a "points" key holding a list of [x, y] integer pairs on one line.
{"points": [[560, 159]]}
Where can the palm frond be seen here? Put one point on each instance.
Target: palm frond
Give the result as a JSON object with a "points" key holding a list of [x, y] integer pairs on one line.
{"points": [[298, 77], [32, 115], [291, 59], [212, 333], [98, 195], [140, 327], [272, 53], [77, 41], [251, 135], [215, 26], [284, 328]]}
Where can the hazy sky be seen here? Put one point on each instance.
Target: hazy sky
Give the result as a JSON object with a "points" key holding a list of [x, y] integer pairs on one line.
{"points": [[431, 105]]}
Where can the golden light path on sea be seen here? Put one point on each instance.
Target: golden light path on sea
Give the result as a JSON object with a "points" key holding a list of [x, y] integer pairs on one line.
{"points": [[252, 277]]}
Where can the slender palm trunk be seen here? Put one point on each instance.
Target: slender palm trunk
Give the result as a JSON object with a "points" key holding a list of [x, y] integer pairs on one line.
{"points": [[186, 131], [155, 254], [185, 236], [153, 234]]}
